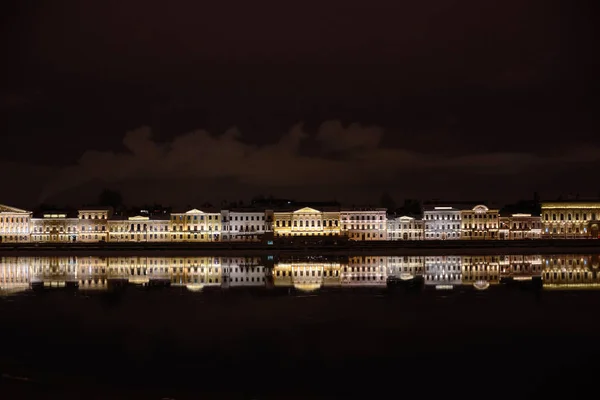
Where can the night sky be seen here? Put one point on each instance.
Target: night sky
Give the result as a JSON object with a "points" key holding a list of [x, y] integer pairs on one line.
{"points": [[183, 102]]}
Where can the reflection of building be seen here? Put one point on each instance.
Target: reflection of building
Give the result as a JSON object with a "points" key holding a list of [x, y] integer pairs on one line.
{"points": [[520, 267], [14, 275], [195, 226], [405, 267], [53, 271], [441, 223], [443, 272], [368, 224], [243, 225], [520, 226], [570, 220], [364, 271], [306, 276], [93, 225], [480, 223], [306, 222], [480, 271], [54, 228], [15, 224], [571, 272], [243, 271], [405, 228]]}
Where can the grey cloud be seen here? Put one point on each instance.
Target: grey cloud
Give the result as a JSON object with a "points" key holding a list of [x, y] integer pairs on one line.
{"points": [[200, 155]]}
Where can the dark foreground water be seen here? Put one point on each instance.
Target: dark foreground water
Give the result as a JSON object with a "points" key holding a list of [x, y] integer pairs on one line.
{"points": [[273, 341]]}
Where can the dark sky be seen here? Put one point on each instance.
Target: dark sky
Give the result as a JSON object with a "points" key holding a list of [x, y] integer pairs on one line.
{"points": [[185, 101]]}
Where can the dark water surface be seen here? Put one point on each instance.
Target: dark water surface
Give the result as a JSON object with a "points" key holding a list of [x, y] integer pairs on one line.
{"points": [[273, 341]]}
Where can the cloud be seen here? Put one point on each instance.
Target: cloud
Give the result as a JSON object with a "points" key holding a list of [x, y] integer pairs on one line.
{"points": [[360, 159]]}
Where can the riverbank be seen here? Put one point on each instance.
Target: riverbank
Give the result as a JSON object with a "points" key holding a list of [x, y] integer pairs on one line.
{"points": [[399, 248]]}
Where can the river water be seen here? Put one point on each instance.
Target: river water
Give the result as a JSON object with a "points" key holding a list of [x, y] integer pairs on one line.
{"points": [[151, 327]]}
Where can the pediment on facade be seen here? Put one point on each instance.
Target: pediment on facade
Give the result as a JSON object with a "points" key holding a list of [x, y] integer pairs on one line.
{"points": [[405, 218], [480, 208], [139, 218], [307, 210], [8, 209], [195, 211]]}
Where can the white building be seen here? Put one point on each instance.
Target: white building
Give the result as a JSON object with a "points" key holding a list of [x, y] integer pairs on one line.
{"points": [[441, 223], [241, 226], [138, 229], [405, 228], [15, 225], [54, 228], [364, 224]]}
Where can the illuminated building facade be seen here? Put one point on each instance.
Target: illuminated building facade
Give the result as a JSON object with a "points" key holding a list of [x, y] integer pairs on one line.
{"points": [[138, 229], [93, 225], [405, 228], [365, 224], [480, 223], [306, 222], [441, 223], [15, 225], [520, 227], [195, 226], [243, 226], [54, 228], [570, 220]]}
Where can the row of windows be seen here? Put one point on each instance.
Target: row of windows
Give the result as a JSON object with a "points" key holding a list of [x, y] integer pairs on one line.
{"points": [[362, 218], [561, 216], [13, 220], [442, 217], [442, 227], [303, 223]]}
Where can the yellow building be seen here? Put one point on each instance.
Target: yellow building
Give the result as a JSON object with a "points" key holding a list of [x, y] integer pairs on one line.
{"points": [[480, 223], [93, 225], [15, 225], [54, 228], [306, 222], [570, 220], [195, 226]]}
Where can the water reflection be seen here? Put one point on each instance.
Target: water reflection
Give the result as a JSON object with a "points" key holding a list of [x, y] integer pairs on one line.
{"points": [[572, 271]]}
